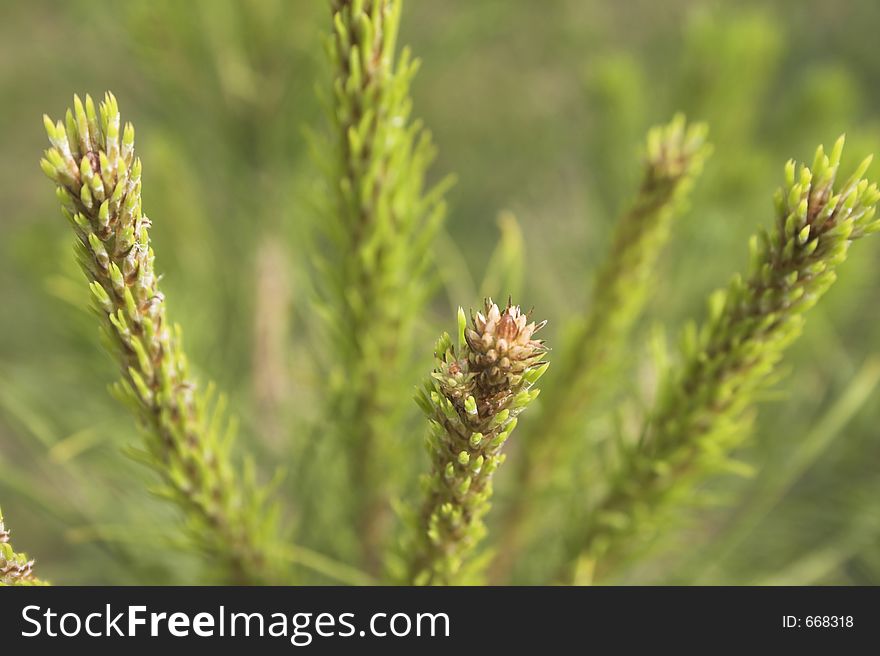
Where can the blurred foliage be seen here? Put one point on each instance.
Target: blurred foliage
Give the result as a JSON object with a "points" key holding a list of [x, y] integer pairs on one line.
{"points": [[538, 108]]}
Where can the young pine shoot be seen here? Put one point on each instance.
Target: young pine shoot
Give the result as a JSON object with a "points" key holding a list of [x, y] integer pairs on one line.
{"points": [[472, 401], [376, 232], [187, 440], [674, 157], [700, 414]]}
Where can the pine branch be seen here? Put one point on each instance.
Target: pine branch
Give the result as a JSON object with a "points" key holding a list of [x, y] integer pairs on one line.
{"points": [[701, 413], [674, 157], [376, 233], [187, 440], [15, 568], [472, 401]]}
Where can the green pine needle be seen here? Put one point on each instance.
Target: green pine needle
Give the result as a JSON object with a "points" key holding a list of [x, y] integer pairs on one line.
{"points": [[702, 410]]}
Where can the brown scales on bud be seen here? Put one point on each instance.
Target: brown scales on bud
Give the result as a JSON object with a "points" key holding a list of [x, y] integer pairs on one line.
{"points": [[502, 348], [12, 570]]}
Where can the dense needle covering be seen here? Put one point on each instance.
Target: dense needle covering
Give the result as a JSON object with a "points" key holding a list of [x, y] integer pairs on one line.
{"points": [[472, 401], [187, 439], [700, 414]]}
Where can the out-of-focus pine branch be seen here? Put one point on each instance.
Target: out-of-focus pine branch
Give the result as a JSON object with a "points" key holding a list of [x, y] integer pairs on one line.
{"points": [[376, 232], [674, 156], [701, 412]]}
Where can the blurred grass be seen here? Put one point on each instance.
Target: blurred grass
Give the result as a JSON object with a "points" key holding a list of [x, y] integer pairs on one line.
{"points": [[538, 108]]}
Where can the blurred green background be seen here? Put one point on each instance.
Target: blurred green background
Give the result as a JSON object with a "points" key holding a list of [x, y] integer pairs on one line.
{"points": [[538, 108]]}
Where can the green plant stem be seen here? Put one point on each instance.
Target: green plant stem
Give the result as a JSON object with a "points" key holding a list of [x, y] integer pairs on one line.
{"points": [[700, 414], [186, 438], [377, 229], [674, 156], [321, 564]]}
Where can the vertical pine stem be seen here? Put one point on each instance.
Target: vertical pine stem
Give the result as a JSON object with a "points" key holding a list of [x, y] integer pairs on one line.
{"points": [[377, 231], [674, 156]]}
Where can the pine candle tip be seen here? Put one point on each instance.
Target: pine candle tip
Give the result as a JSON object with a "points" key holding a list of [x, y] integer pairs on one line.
{"points": [[677, 149], [502, 347], [472, 401]]}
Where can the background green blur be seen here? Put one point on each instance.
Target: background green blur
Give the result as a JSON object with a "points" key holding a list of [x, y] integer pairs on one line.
{"points": [[538, 108]]}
